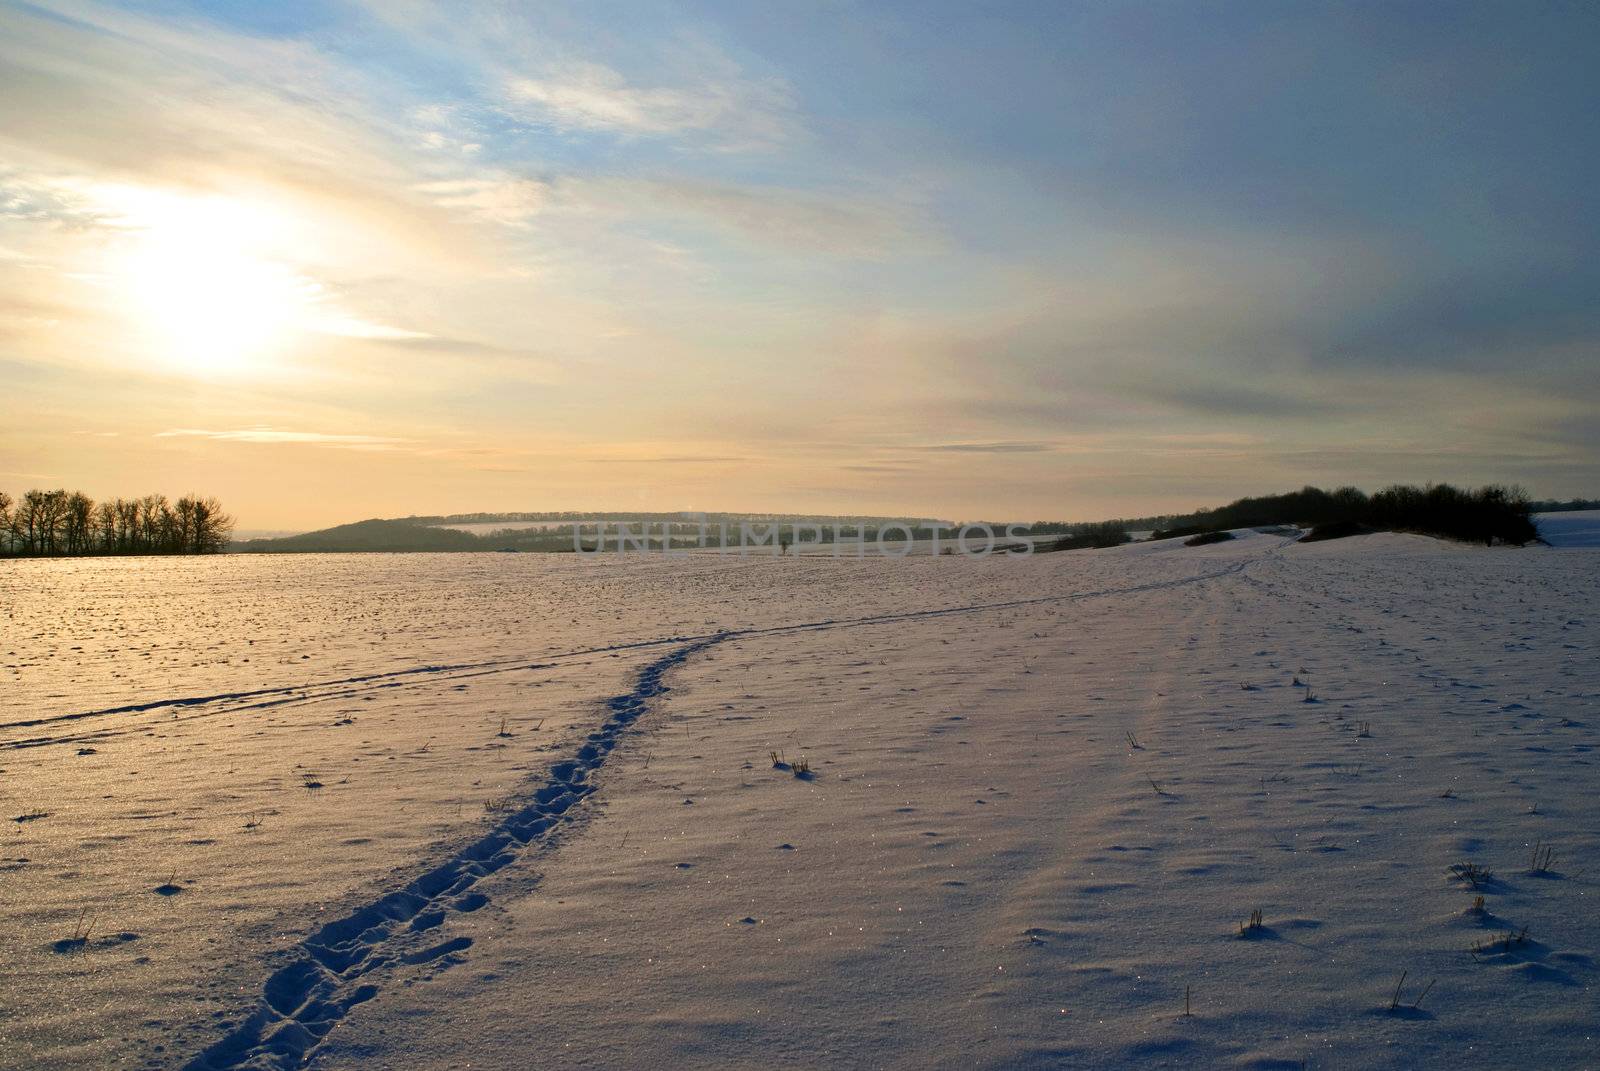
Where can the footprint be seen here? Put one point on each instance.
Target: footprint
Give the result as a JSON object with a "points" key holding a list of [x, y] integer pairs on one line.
{"points": [[439, 951]]}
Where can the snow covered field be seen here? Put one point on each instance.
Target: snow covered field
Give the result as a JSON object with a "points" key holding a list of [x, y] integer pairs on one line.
{"points": [[509, 811], [1580, 528]]}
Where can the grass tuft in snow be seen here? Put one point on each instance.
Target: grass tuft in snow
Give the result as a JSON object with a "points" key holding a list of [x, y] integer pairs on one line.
{"points": [[1474, 875], [800, 767], [1416, 1005], [1502, 945], [81, 931]]}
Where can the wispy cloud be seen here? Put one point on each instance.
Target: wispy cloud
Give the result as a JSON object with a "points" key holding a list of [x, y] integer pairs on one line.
{"points": [[575, 236], [769, 215], [679, 459], [1015, 447], [32, 197], [718, 102], [495, 197], [302, 438], [333, 322]]}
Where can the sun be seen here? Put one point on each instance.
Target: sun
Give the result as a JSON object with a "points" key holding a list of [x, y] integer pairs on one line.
{"points": [[200, 281]]}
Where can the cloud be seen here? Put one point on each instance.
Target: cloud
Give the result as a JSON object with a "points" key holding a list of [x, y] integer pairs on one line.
{"points": [[30, 197], [718, 102], [596, 97], [769, 215], [273, 435], [333, 322], [1235, 399], [1028, 447], [495, 197], [678, 459], [533, 222]]}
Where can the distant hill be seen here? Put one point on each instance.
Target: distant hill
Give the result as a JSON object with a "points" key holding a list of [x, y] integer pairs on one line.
{"points": [[1485, 514], [537, 532], [410, 534]]}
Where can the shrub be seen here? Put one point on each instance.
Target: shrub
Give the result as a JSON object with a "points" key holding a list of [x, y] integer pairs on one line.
{"points": [[1094, 536], [1335, 530], [1486, 514]]}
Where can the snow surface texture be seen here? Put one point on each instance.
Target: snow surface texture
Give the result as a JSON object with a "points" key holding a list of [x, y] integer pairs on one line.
{"points": [[1580, 528], [433, 811]]}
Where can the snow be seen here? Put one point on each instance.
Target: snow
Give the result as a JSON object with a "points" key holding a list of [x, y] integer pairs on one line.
{"points": [[1046, 793], [1580, 528]]}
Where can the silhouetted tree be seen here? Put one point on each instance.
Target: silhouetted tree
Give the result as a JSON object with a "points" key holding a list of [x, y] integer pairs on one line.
{"points": [[211, 528], [78, 524], [105, 528], [60, 523]]}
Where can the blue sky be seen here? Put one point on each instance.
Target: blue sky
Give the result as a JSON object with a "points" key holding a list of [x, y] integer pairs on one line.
{"points": [[1008, 260]]}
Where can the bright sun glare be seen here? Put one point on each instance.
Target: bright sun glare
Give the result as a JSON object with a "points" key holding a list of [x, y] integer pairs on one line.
{"points": [[198, 278]]}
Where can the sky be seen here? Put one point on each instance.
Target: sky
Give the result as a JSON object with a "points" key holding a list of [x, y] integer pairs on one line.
{"points": [[329, 261]]}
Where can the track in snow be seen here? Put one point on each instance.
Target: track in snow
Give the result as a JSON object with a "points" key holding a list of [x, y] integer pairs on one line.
{"points": [[347, 687], [344, 963], [340, 965]]}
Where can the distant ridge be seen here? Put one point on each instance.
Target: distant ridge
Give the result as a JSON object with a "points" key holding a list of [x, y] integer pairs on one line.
{"points": [[1486, 514], [550, 532], [410, 534]]}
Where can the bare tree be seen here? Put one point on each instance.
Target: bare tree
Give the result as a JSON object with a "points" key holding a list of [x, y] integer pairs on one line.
{"points": [[61, 522], [212, 527], [127, 525], [78, 523], [35, 524], [105, 523], [153, 510], [183, 512]]}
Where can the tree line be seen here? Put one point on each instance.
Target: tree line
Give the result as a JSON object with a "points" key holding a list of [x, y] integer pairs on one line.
{"points": [[1485, 514], [61, 523]]}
